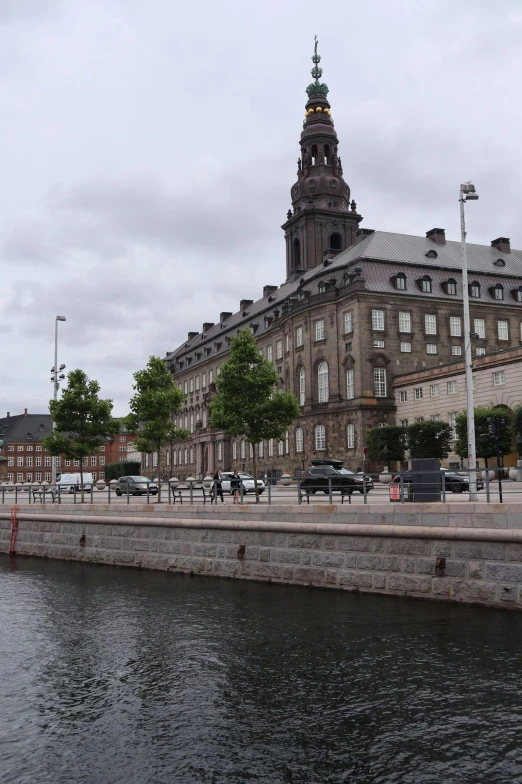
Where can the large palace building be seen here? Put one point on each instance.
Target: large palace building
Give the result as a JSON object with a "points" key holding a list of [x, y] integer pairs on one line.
{"points": [[358, 308]]}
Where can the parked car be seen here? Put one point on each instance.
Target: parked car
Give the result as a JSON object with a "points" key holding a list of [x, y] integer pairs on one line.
{"points": [[327, 470], [455, 483], [71, 483], [247, 480], [135, 485]]}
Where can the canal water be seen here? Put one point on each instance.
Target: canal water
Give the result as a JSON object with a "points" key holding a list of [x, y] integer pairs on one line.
{"points": [[113, 676]]}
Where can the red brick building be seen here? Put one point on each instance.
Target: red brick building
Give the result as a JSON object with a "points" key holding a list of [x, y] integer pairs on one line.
{"points": [[28, 461]]}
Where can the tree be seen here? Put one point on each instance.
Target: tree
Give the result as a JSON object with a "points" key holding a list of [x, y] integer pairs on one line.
{"points": [[386, 443], [429, 439], [156, 400], [485, 443], [172, 435], [248, 402], [81, 421]]}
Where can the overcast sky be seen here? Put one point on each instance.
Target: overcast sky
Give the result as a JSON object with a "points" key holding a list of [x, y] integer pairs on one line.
{"points": [[149, 148]]}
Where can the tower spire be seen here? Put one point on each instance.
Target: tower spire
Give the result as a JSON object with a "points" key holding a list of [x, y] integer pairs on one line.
{"points": [[316, 88]]}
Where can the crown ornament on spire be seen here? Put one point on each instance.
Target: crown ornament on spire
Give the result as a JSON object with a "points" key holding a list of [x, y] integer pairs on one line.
{"points": [[316, 88]]}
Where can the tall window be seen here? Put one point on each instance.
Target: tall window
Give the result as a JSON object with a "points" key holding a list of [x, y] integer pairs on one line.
{"points": [[243, 451], [299, 441], [475, 289], [350, 392], [404, 322], [400, 281], [455, 328], [210, 376], [480, 327], [452, 387], [452, 287], [322, 382], [279, 349], [418, 393], [197, 383], [204, 417], [452, 420], [503, 331], [426, 285], [319, 329], [270, 447], [280, 448], [434, 390], [302, 380], [348, 322], [299, 337], [191, 385], [155, 459], [430, 324], [234, 450], [499, 378], [192, 423], [378, 320], [204, 381], [379, 382], [499, 291], [320, 437], [350, 436], [261, 449]]}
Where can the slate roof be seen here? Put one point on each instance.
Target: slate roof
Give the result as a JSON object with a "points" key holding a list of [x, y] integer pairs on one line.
{"points": [[25, 428], [379, 255]]}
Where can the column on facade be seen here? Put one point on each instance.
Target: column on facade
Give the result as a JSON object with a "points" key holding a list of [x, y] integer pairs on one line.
{"points": [[211, 463]]}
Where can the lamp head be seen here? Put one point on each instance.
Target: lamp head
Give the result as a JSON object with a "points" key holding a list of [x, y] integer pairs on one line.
{"points": [[472, 197], [467, 187], [61, 318]]}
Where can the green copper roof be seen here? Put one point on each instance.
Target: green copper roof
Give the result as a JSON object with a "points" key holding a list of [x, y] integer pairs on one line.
{"points": [[316, 88]]}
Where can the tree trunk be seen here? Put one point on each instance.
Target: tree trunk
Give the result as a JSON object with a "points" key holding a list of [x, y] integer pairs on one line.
{"points": [[159, 472], [254, 460]]}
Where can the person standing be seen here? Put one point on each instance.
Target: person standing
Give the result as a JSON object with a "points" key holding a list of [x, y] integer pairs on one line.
{"points": [[217, 487], [235, 485]]}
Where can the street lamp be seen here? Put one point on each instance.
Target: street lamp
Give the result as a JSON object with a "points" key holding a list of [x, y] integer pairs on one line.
{"points": [[55, 379], [468, 193]]}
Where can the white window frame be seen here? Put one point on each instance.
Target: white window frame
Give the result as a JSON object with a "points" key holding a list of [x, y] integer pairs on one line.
{"points": [[456, 351], [405, 348], [431, 348], [404, 321], [434, 390], [279, 349], [234, 450], [403, 396], [430, 324], [319, 329], [503, 330], [322, 382], [418, 393], [299, 440], [479, 327], [378, 320], [379, 382], [348, 322], [299, 337], [350, 388], [350, 436], [302, 386], [499, 378], [320, 438], [455, 327], [452, 387]]}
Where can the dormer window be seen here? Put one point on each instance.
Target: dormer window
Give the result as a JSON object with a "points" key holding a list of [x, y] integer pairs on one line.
{"points": [[474, 290], [499, 263], [431, 254], [517, 294], [451, 287], [322, 287], [425, 284], [498, 292], [400, 281]]}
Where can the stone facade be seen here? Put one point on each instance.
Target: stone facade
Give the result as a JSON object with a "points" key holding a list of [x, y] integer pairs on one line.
{"points": [[391, 553]]}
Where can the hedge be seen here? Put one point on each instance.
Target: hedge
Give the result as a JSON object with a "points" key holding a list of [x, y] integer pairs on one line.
{"points": [[115, 470]]}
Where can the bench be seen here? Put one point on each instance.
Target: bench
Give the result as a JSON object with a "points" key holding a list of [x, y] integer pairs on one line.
{"points": [[184, 492], [40, 497], [306, 495]]}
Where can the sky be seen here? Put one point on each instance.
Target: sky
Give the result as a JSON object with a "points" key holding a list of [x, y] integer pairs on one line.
{"points": [[148, 151]]}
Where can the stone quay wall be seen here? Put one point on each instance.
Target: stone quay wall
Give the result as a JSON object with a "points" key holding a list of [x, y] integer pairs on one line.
{"points": [[391, 552]]}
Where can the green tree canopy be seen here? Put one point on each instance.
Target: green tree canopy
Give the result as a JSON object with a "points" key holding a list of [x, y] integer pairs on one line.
{"points": [[386, 443], [484, 442], [156, 399], [429, 439], [248, 402], [81, 421]]}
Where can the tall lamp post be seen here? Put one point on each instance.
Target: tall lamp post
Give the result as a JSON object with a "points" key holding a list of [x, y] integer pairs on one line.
{"points": [[55, 380], [468, 193]]}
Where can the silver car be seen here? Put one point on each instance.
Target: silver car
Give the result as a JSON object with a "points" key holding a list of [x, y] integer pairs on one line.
{"points": [[135, 485], [246, 479]]}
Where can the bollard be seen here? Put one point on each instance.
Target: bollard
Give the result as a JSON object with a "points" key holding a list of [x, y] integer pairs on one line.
{"points": [[191, 493], [128, 493], [168, 485], [365, 495], [299, 499], [241, 491], [148, 492], [487, 486], [269, 491], [443, 489], [330, 499]]}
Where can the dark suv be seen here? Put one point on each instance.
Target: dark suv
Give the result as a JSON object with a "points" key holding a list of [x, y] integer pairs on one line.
{"points": [[328, 471], [135, 485]]}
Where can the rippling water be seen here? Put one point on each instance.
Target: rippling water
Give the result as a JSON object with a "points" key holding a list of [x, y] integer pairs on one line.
{"points": [[110, 676]]}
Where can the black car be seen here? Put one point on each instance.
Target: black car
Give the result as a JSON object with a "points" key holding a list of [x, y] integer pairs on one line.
{"points": [[328, 471], [455, 483], [135, 485]]}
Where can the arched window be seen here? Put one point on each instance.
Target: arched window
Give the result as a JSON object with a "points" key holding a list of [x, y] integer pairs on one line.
{"points": [[350, 436], [400, 281], [296, 253], [336, 242], [498, 291], [327, 154], [321, 288], [302, 387], [475, 289], [322, 382], [320, 438], [299, 441], [451, 287], [314, 154]]}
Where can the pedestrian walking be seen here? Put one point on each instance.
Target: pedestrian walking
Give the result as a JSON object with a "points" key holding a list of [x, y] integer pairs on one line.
{"points": [[217, 487], [235, 486]]}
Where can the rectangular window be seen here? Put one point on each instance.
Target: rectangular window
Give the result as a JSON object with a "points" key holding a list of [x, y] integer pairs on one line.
{"points": [[38, 461], [234, 450], [210, 376], [185, 387], [38, 477], [435, 417], [431, 348], [269, 353], [191, 385], [400, 282], [204, 417], [20, 448], [299, 439], [498, 378], [434, 390], [220, 450], [58, 460], [38, 448], [287, 346], [455, 328], [418, 393], [29, 448], [378, 320], [350, 437], [19, 461], [404, 322], [350, 392], [452, 387], [280, 448], [452, 420], [406, 348], [378, 343], [261, 449], [430, 324], [102, 474], [102, 449], [10, 462], [197, 383], [84, 461], [10, 477], [503, 331], [122, 459], [419, 419], [348, 323], [319, 329], [499, 292], [67, 462], [379, 382], [122, 449], [242, 450], [29, 477], [19, 477], [299, 337], [302, 382], [480, 327], [480, 351], [29, 462], [93, 461], [403, 396], [123, 439], [102, 460], [47, 476], [47, 461], [192, 423], [11, 448], [456, 351], [76, 462], [204, 381], [426, 285], [270, 447], [279, 349], [474, 379]]}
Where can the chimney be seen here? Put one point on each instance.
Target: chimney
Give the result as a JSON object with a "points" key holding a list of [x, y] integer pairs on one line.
{"points": [[8, 414], [502, 244], [224, 316], [362, 233], [267, 290], [207, 325], [244, 303], [25, 412], [437, 235], [192, 335]]}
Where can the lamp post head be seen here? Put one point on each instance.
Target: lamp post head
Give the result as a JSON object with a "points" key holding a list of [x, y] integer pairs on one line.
{"points": [[61, 318]]}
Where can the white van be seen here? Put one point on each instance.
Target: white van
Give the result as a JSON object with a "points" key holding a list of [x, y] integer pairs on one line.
{"points": [[71, 483]]}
